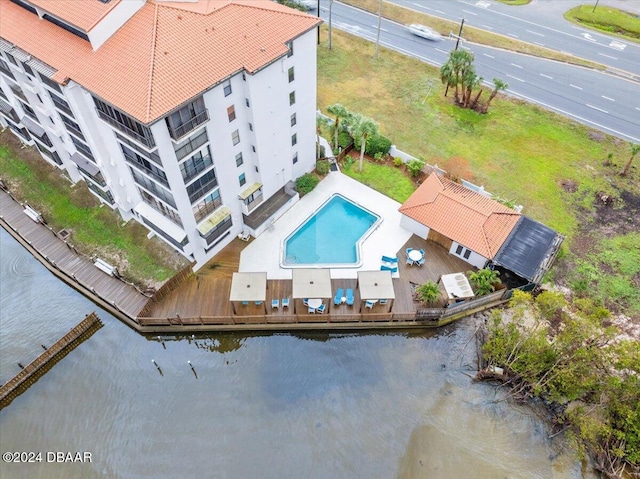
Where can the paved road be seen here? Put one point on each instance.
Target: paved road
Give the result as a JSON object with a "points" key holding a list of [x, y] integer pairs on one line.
{"points": [[541, 23], [608, 103]]}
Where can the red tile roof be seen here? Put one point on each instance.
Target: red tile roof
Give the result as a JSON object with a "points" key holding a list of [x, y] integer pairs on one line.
{"points": [[469, 218], [166, 54], [84, 14]]}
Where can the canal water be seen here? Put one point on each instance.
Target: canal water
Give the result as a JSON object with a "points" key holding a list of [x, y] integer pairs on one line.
{"points": [[271, 406]]}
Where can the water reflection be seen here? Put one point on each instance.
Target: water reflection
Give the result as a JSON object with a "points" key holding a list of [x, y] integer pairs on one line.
{"points": [[305, 405]]}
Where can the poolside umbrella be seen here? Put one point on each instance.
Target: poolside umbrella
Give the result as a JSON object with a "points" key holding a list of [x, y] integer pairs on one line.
{"points": [[375, 285], [248, 287], [311, 283]]}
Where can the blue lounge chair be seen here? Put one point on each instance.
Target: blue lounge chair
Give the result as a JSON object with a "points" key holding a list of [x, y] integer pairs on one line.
{"points": [[285, 303], [245, 303], [386, 259], [382, 301], [350, 298], [394, 260], [385, 268], [258, 303], [337, 299], [275, 303], [393, 270], [321, 308], [369, 304]]}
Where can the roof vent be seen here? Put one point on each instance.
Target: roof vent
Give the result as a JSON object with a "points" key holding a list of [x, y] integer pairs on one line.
{"points": [[262, 49]]}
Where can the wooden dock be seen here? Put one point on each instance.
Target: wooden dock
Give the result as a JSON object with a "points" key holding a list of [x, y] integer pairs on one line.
{"points": [[34, 370], [62, 259]]}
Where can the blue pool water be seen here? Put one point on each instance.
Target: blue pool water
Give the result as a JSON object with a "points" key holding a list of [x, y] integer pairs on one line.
{"points": [[331, 235]]}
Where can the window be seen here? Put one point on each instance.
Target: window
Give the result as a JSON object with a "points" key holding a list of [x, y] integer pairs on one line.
{"points": [[239, 160], [291, 75], [246, 102], [151, 156], [294, 139], [152, 187], [227, 88], [292, 98], [66, 26], [295, 158], [202, 185], [12, 58], [235, 137], [293, 120], [29, 111], [253, 148], [61, 105], [195, 164], [250, 126], [4, 68], [124, 123], [290, 47], [467, 254], [187, 118], [463, 252], [82, 148], [242, 180], [160, 207], [244, 77], [218, 230], [145, 165], [28, 69], [185, 241], [206, 206], [231, 113], [191, 144], [72, 127]]}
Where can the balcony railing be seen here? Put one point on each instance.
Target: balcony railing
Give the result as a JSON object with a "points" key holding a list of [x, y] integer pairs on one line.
{"points": [[147, 141], [179, 131]]}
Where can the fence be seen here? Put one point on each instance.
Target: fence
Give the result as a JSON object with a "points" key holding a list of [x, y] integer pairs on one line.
{"points": [[171, 284]]}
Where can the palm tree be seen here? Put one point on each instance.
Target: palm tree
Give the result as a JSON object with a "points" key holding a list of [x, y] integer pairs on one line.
{"points": [[363, 127], [455, 70], [635, 149], [498, 85], [478, 85], [338, 111], [469, 82]]}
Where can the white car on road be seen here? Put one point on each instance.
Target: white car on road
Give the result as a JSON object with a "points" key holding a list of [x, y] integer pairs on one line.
{"points": [[424, 32]]}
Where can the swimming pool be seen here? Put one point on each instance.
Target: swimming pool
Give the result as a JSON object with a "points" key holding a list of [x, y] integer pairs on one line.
{"points": [[331, 236]]}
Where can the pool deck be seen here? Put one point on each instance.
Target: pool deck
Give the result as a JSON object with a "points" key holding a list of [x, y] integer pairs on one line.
{"points": [[203, 300]]}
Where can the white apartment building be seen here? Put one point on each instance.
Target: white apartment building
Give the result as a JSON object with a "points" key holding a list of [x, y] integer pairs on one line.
{"points": [[193, 118]]}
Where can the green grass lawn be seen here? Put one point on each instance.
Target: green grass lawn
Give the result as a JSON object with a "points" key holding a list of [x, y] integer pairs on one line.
{"points": [[95, 230], [606, 19], [551, 165]]}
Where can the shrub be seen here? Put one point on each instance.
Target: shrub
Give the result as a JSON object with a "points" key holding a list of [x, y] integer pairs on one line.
{"points": [[378, 157], [415, 167], [428, 292], [483, 281], [398, 162], [550, 304], [322, 153], [306, 183], [344, 139], [322, 167], [375, 144]]}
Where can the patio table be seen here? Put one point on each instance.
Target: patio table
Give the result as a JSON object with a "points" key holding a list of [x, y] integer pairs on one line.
{"points": [[315, 303], [415, 255]]}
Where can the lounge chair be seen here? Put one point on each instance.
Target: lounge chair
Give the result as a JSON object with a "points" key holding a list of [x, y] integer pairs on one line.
{"points": [[285, 303], [385, 268], [382, 301], [369, 304], [321, 308], [244, 236], [245, 303], [394, 260], [275, 303], [386, 259], [337, 299], [258, 303], [350, 298]]}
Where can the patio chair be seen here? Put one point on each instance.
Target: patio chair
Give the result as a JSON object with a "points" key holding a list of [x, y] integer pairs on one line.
{"points": [[305, 301], [285, 303], [312, 310], [369, 304], [409, 261], [321, 308], [382, 301], [245, 303], [337, 299], [258, 303], [275, 303], [421, 251], [409, 250], [350, 298], [420, 262]]}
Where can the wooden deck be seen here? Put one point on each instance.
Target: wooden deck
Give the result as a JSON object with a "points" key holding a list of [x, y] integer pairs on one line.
{"points": [[61, 258], [45, 361], [203, 299]]}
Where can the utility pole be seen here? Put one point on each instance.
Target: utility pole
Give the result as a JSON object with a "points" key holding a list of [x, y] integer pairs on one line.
{"points": [[594, 7], [378, 35], [456, 49], [330, 5]]}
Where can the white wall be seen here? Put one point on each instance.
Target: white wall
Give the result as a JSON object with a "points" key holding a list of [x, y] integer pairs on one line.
{"points": [[412, 225], [113, 21], [474, 258]]}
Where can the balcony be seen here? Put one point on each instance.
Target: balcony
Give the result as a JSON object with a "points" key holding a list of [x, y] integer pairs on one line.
{"points": [[148, 141], [179, 131]]}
